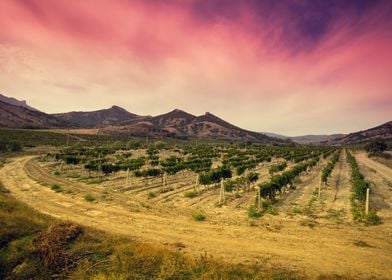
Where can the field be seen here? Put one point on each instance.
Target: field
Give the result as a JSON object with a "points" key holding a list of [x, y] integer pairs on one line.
{"points": [[204, 198]]}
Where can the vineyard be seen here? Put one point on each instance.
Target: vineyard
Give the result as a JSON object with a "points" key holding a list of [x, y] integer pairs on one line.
{"points": [[264, 198]]}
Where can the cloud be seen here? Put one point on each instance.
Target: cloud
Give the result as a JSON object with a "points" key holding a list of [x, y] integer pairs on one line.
{"points": [[288, 66]]}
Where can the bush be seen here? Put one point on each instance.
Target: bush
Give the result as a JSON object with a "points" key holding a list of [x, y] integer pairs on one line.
{"points": [[253, 212], [151, 195], [89, 197], [51, 245], [56, 188], [198, 216], [372, 218], [190, 194]]}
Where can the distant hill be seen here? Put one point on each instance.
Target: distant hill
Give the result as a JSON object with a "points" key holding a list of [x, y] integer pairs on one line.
{"points": [[180, 124], [383, 131], [306, 139], [16, 102], [100, 118], [12, 116]]}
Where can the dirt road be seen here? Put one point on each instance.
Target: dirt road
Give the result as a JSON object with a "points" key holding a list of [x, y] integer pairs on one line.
{"points": [[282, 240]]}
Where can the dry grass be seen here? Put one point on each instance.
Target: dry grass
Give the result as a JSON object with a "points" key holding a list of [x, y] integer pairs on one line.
{"points": [[51, 245]]}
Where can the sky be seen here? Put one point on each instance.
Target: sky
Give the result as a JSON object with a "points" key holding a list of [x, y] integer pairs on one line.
{"points": [[292, 67]]}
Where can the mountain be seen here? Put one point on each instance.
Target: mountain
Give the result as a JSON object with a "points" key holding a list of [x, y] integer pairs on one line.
{"points": [[182, 125], [382, 131], [306, 139], [94, 119], [16, 102], [315, 139], [13, 116]]}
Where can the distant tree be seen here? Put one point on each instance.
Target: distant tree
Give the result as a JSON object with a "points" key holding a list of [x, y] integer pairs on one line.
{"points": [[376, 146]]}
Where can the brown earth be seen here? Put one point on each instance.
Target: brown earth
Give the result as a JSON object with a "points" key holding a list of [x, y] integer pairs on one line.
{"points": [[313, 245]]}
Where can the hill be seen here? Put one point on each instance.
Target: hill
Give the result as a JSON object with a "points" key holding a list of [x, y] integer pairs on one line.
{"points": [[180, 124], [112, 116], [383, 131], [306, 139], [12, 116], [16, 102]]}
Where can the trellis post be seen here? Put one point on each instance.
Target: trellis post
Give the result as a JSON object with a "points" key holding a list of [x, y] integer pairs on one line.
{"points": [[367, 202]]}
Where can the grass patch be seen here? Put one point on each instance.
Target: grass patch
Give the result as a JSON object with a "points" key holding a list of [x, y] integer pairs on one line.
{"points": [[190, 194], [296, 210], [253, 212], [336, 215], [56, 188], [372, 218], [199, 216], [89, 197], [151, 195], [270, 210], [96, 181]]}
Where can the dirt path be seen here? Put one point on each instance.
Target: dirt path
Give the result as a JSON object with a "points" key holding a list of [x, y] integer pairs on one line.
{"points": [[273, 240], [380, 177], [303, 191], [335, 197]]}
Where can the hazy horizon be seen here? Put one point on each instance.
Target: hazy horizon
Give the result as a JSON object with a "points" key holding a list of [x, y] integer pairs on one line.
{"points": [[288, 67]]}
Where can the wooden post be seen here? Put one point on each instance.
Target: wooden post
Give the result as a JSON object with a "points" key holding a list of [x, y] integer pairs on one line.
{"points": [[196, 188], [164, 181], [319, 190], [127, 178], [259, 199], [222, 193], [367, 202]]}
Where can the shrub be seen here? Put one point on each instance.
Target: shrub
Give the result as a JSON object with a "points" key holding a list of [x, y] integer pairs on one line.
{"points": [[372, 218], [190, 194], [151, 195], [56, 188], [253, 212], [89, 197], [198, 216], [51, 245]]}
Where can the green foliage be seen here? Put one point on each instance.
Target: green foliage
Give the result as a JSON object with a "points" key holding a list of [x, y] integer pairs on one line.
{"points": [[327, 170], [277, 182], [89, 197], [190, 194], [151, 195], [56, 188], [253, 212], [199, 216], [230, 185], [215, 175], [357, 179], [277, 167], [252, 177], [358, 197], [372, 218]]}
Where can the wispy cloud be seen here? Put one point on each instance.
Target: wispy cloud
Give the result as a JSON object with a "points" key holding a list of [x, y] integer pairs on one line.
{"points": [[264, 65]]}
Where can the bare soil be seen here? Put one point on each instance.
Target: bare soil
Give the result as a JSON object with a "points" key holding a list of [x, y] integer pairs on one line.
{"points": [[313, 244]]}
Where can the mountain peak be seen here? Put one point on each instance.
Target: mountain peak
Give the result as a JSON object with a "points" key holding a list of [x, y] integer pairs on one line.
{"points": [[16, 102]]}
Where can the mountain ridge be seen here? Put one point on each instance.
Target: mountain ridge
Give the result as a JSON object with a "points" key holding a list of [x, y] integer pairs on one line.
{"points": [[174, 124]]}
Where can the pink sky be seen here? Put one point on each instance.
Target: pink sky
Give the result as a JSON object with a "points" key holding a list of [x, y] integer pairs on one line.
{"points": [[297, 67]]}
